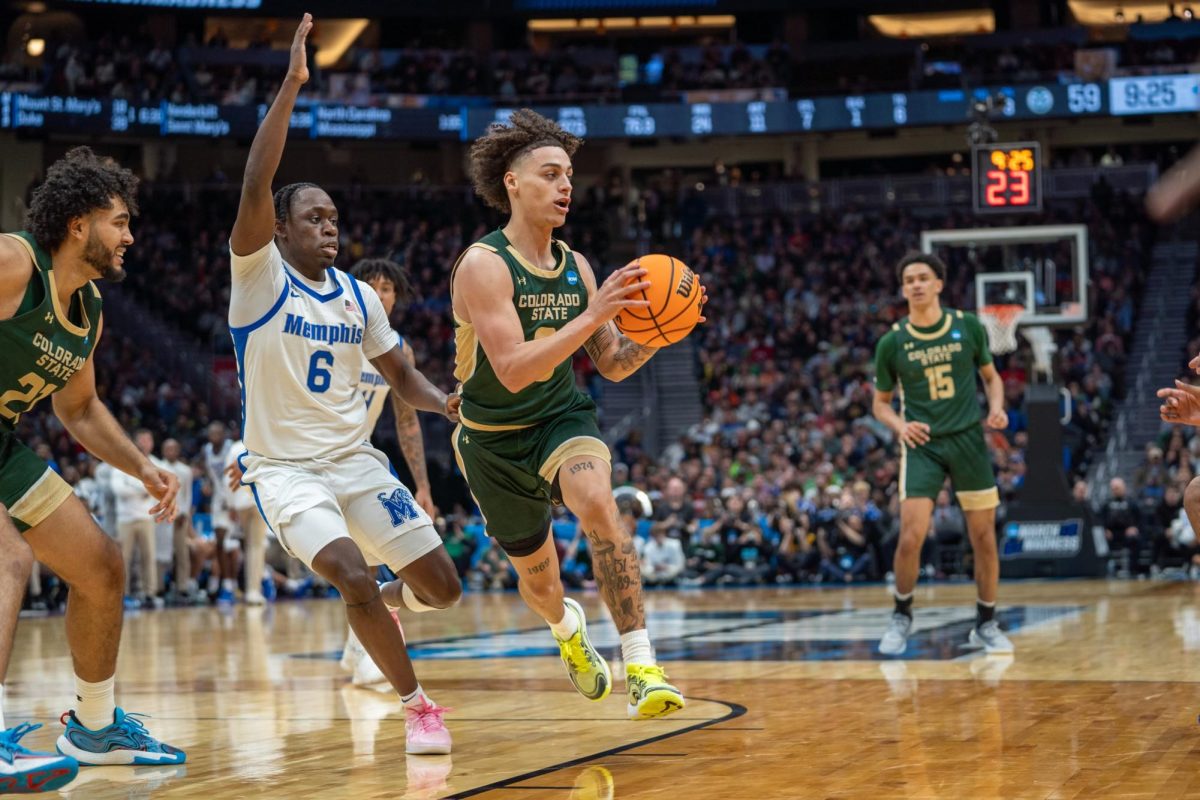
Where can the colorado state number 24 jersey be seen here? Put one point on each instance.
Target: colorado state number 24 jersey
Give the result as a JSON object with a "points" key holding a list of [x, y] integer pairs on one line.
{"points": [[301, 348], [935, 370]]}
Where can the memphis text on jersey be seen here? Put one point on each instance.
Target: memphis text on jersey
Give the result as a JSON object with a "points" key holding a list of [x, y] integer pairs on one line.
{"points": [[935, 354], [548, 306], [297, 325], [56, 360]]}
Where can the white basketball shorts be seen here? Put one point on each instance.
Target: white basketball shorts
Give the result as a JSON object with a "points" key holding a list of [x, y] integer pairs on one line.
{"points": [[310, 504]]}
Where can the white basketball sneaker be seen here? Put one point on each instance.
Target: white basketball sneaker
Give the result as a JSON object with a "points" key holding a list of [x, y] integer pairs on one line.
{"points": [[895, 638]]}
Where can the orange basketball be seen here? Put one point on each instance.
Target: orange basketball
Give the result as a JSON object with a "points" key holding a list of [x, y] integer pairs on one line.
{"points": [[674, 295]]}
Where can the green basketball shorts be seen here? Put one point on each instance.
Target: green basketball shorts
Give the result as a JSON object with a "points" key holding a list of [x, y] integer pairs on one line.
{"points": [[963, 456], [510, 472], [29, 489]]}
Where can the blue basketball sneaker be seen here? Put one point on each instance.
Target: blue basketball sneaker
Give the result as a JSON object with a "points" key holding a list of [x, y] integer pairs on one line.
{"points": [[25, 772], [126, 741]]}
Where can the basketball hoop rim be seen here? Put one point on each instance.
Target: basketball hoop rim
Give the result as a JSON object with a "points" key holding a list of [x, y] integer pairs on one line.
{"points": [[1004, 313]]}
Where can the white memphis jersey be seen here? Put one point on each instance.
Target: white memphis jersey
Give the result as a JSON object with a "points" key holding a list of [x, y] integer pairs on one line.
{"points": [[301, 347], [214, 468], [374, 390]]}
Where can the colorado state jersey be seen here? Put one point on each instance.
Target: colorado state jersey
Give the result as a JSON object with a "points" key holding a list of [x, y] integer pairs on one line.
{"points": [[545, 300], [43, 344], [935, 370], [300, 349]]}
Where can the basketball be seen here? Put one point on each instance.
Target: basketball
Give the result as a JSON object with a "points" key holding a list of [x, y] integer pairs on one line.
{"points": [[674, 295]]}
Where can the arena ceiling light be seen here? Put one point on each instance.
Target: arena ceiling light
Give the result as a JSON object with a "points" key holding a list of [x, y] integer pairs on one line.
{"points": [[660, 23], [936, 23], [1106, 12]]}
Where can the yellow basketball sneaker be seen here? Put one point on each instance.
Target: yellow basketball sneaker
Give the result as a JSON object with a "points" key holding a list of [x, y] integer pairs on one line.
{"points": [[587, 669], [650, 696]]}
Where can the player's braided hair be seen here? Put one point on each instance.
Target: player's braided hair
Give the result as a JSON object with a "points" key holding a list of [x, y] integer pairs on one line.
{"points": [[283, 198], [928, 259], [493, 154], [368, 269], [76, 185]]}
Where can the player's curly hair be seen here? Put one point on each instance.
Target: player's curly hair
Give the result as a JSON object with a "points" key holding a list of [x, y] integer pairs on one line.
{"points": [[493, 154], [76, 185], [928, 259], [368, 269], [285, 195]]}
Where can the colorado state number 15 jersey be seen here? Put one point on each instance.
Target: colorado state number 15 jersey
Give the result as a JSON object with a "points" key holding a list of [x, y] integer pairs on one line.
{"points": [[935, 370], [301, 347]]}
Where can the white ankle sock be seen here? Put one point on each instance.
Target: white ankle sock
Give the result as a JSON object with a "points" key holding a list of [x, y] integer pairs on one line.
{"points": [[565, 628], [635, 648], [417, 699], [412, 602], [95, 703]]}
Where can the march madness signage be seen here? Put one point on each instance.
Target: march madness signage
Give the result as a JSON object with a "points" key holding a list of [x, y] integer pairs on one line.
{"points": [[1043, 539]]}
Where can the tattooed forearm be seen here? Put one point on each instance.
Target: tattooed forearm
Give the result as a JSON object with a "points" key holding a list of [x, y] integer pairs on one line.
{"points": [[619, 578], [412, 444], [599, 342], [614, 355], [630, 355]]}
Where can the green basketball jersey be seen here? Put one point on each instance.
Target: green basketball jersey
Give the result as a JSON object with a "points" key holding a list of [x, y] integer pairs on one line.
{"points": [[545, 300], [934, 369], [43, 344]]}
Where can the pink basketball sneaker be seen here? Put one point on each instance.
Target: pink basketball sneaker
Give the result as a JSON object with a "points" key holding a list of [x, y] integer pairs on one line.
{"points": [[425, 731]]}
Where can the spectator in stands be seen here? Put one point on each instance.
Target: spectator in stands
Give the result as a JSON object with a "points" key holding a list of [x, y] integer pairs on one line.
{"points": [[1122, 523], [662, 557], [135, 529], [185, 588], [949, 527], [845, 555]]}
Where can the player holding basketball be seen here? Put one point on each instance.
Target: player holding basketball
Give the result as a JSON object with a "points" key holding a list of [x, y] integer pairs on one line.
{"points": [[302, 331], [932, 356], [50, 324], [524, 303]]}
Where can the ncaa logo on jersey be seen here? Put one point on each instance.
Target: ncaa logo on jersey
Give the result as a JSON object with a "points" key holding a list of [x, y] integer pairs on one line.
{"points": [[572, 277], [400, 506]]}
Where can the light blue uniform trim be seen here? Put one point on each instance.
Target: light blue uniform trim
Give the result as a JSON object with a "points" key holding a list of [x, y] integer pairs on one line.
{"points": [[241, 338]]}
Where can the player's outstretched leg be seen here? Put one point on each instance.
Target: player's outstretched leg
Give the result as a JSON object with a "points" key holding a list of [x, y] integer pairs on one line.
{"points": [[586, 485], [21, 770], [540, 585], [981, 526], [915, 513], [342, 564], [97, 731]]}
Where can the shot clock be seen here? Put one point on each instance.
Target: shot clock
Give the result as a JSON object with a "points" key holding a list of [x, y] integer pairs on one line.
{"points": [[1007, 178]]}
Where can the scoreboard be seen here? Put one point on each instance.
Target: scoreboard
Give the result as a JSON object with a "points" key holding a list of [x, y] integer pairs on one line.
{"points": [[1007, 178]]}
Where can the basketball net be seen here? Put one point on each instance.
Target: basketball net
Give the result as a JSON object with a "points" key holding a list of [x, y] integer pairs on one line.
{"points": [[1001, 320]]}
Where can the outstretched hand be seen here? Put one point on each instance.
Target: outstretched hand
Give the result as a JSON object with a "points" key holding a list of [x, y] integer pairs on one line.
{"points": [[298, 63], [1181, 405]]}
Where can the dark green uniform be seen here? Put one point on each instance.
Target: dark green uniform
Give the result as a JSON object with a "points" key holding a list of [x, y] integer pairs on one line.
{"points": [[43, 346], [509, 446], [934, 370]]}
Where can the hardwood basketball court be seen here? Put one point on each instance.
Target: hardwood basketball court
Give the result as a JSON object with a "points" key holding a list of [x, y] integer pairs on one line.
{"points": [[787, 699]]}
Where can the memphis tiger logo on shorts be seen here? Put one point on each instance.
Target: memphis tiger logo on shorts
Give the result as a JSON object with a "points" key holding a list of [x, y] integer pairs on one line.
{"points": [[400, 506]]}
